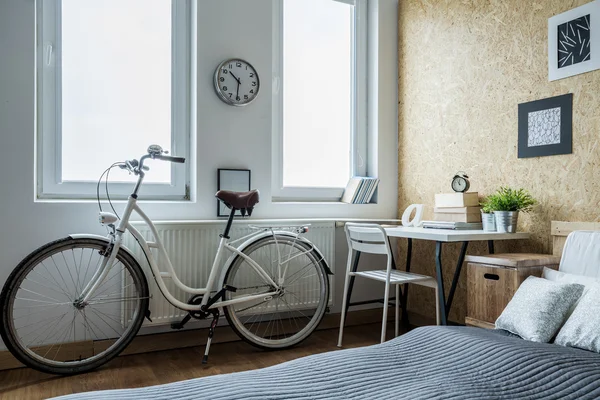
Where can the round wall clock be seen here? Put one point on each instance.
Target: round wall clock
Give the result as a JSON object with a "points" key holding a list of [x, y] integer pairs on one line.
{"points": [[236, 82]]}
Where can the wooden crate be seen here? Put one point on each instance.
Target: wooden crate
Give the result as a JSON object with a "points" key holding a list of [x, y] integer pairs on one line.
{"points": [[493, 280]]}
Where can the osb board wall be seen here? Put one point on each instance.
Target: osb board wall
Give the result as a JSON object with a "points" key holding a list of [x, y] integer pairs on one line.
{"points": [[464, 66]]}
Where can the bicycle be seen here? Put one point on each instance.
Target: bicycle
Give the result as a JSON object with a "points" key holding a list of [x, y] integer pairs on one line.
{"points": [[76, 303]]}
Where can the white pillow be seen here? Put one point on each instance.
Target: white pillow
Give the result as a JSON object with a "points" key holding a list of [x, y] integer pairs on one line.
{"points": [[582, 329], [538, 308]]}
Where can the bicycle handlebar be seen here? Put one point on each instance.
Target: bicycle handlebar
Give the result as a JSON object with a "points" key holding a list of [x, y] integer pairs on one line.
{"points": [[179, 160], [154, 152]]}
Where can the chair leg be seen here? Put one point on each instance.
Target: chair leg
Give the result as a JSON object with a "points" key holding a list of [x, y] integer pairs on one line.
{"points": [[385, 311], [343, 318], [437, 308], [397, 309]]}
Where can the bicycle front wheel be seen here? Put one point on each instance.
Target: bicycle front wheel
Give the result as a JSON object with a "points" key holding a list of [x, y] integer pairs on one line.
{"points": [[46, 327], [289, 317]]}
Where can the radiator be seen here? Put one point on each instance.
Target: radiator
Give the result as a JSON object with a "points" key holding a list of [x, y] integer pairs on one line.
{"points": [[192, 246]]}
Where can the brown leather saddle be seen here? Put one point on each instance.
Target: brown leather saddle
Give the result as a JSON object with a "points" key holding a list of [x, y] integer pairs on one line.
{"points": [[243, 201]]}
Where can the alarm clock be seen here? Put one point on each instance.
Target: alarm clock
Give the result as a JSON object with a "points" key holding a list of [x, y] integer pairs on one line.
{"points": [[460, 182]]}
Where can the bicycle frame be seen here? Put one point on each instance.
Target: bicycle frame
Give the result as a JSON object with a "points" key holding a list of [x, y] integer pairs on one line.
{"points": [[117, 238]]}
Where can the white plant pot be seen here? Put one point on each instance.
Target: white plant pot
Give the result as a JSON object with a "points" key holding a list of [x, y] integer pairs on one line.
{"points": [[488, 221], [506, 221]]}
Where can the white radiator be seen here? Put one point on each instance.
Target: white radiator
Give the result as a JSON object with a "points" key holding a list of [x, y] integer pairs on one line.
{"points": [[192, 246]]}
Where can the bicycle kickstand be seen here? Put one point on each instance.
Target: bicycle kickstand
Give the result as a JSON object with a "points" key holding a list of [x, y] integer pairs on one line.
{"points": [[211, 332]]}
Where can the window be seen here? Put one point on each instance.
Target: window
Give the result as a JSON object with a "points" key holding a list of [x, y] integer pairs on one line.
{"points": [[113, 77], [319, 119]]}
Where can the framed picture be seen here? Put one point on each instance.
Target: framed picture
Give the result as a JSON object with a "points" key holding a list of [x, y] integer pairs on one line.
{"points": [[574, 41], [546, 127], [237, 180]]}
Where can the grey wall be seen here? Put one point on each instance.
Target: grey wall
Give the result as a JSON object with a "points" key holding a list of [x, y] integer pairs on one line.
{"points": [[226, 136]]}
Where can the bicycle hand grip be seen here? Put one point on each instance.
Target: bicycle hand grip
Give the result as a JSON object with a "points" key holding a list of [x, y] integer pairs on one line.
{"points": [[179, 160]]}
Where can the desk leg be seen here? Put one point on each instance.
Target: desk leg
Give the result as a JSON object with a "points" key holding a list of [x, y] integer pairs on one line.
{"points": [[459, 264], [405, 321], [351, 284], [491, 246], [440, 281]]}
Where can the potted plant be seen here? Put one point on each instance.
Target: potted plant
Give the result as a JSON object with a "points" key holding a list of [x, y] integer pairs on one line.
{"points": [[506, 204], [488, 219]]}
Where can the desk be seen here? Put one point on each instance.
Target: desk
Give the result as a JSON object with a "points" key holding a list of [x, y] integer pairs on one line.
{"points": [[440, 236]]}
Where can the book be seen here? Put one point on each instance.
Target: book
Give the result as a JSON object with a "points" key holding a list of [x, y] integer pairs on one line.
{"points": [[469, 199], [369, 186], [454, 217], [359, 190], [361, 193], [452, 225], [372, 190], [458, 210], [351, 190]]}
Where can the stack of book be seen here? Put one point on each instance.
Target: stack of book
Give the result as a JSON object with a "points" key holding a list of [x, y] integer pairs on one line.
{"points": [[360, 190], [456, 211]]}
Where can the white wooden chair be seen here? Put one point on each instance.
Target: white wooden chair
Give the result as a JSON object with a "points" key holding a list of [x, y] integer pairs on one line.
{"points": [[371, 238]]}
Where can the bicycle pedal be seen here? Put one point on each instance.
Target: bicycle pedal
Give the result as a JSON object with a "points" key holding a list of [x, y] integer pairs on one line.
{"points": [[176, 325], [180, 325]]}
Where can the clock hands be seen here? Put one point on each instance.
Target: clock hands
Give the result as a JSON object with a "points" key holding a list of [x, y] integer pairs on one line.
{"points": [[237, 95], [236, 78]]}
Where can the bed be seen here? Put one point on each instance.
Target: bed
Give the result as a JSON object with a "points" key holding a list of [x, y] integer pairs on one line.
{"points": [[433, 362]]}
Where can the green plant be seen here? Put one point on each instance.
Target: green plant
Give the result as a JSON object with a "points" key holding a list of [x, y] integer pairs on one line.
{"points": [[507, 199], [486, 207]]}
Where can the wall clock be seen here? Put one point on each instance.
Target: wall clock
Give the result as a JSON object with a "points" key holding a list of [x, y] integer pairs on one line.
{"points": [[236, 82]]}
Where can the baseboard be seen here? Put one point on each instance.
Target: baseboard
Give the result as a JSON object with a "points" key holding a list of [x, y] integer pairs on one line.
{"points": [[224, 334]]}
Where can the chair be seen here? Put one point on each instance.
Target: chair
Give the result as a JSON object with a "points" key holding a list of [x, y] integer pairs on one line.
{"points": [[371, 238], [581, 254]]}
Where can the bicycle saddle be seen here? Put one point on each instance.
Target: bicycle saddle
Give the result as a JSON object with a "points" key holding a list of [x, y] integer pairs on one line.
{"points": [[238, 200]]}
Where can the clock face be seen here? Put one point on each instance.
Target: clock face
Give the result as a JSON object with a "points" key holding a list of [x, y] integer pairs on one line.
{"points": [[236, 82], [459, 184]]}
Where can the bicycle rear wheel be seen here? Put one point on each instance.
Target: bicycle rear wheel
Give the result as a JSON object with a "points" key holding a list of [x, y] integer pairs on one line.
{"points": [[45, 327], [285, 319]]}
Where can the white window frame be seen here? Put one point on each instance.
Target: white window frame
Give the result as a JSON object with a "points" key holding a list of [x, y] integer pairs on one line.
{"points": [[48, 112], [359, 140]]}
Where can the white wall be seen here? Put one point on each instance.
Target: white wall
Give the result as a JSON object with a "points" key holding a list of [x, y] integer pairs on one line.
{"points": [[226, 136]]}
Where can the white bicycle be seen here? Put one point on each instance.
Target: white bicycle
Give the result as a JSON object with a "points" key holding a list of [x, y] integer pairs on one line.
{"points": [[76, 303]]}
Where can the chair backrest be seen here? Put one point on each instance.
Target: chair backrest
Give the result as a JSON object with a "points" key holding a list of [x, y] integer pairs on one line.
{"points": [[581, 254], [367, 238]]}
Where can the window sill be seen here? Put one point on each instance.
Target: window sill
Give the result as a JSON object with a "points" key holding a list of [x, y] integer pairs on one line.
{"points": [[305, 202]]}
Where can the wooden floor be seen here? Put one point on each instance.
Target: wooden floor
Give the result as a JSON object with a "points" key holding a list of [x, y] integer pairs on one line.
{"points": [[176, 365]]}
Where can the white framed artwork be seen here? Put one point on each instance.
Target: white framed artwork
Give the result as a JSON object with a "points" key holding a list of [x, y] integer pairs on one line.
{"points": [[574, 41]]}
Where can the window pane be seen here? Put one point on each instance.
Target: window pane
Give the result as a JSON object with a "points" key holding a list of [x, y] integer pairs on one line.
{"points": [[116, 85], [317, 92]]}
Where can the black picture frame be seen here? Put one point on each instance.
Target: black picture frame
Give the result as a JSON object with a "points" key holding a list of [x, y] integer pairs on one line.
{"points": [[546, 127], [238, 180]]}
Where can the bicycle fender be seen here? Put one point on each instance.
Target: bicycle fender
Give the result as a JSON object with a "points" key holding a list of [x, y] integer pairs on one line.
{"points": [[265, 234], [103, 238]]}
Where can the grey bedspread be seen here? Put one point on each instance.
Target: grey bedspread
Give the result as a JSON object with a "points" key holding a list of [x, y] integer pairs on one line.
{"points": [[426, 363]]}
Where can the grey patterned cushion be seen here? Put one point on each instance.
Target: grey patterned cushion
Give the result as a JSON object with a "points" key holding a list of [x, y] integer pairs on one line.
{"points": [[539, 308], [582, 329]]}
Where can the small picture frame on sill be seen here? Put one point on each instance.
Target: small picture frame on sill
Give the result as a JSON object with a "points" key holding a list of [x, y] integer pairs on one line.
{"points": [[546, 127], [237, 180]]}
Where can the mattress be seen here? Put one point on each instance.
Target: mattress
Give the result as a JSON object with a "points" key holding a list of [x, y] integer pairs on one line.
{"points": [[426, 363]]}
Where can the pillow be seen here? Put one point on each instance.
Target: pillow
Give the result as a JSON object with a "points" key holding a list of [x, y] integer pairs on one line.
{"points": [[582, 329], [538, 308]]}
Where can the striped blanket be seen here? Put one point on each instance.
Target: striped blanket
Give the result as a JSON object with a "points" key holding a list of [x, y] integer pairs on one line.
{"points": [[426, 363]]}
